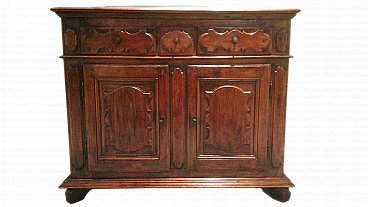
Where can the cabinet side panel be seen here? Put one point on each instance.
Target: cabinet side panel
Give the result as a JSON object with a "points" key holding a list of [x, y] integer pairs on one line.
{"points": [[279, 113], [73, 86], [90, 114]]}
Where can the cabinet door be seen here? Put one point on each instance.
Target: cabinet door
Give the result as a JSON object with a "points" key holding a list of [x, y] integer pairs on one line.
{"points": [[126, 108], [229, 111]]}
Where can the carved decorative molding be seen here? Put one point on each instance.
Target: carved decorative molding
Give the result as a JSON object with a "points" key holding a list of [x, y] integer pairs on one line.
{"points": [[117, 41], [120, 136], [281, 40], [70, 40], [234, 41], [72, 68], [178, 71], [231, 135], [177, 42]]}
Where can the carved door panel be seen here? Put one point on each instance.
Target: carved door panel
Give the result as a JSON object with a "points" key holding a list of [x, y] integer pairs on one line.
{"points": [[126, 108], [229, 110]]}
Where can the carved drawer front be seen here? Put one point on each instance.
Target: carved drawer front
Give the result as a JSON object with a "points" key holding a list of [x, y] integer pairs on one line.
{"points": [[177, 41], [118, 41], [233, 41]]}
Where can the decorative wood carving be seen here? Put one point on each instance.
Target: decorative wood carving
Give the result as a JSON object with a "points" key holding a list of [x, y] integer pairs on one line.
{"points": [[128, 125], [117, 41], [70, 39], [177, 42], [122, 119], [72, 69], [145, 111], [232, 104], [281, 40], [232, 133], [234, 41]]}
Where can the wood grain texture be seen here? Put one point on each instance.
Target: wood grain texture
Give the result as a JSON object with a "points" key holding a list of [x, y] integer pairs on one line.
{"points": [[172, 98], [174, 14], [70, 39], [179, 119], [178, 183], [234, 41], [223, 140], [176, 42], [113, 41], [74, 89], [279, 113], [127, 118], [228, 117], [122, 124], [281, 40]]}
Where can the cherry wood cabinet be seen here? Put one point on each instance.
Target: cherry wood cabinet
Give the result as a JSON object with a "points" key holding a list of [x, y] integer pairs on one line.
{"points": [[173, 97]]}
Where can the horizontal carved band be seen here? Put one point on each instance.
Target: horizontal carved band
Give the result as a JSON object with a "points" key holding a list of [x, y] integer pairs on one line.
{"points": [[234, 41], [117, 41], [177, 42]]}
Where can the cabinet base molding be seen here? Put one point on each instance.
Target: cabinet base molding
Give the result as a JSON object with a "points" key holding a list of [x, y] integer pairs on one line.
{"points": [[277, 188], [178, 183]]}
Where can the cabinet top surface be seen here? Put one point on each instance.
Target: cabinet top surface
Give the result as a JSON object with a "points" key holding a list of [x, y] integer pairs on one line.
{"points": [[170, 9], [196, 11]]}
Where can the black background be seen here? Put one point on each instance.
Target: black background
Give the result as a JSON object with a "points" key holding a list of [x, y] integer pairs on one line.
{"points": [[107, 199]]}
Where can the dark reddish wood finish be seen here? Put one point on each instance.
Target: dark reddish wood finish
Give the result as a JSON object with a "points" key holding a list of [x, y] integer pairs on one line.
{"points": [[145, 111], [179, 119], [177, 41], [234, 41], [75, 115], [231, 104], [115, 41], [126, 104]]}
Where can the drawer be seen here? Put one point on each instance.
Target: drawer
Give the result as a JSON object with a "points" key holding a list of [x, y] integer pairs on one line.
{"points": [[242, 41], [118, 41], [177, 41]]}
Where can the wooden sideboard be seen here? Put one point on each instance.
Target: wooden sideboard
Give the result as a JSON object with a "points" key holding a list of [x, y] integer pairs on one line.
{"points": [[176, 97]]}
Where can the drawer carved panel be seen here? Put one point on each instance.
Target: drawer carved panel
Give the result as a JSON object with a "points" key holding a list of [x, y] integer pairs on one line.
{"points": [[177, 42], [234, 41], [116, 41]]}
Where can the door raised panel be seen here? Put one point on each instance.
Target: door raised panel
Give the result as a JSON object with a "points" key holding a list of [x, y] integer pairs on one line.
{"points": [[122, 117], [232, 106], [227, 116], [127, 119]]}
